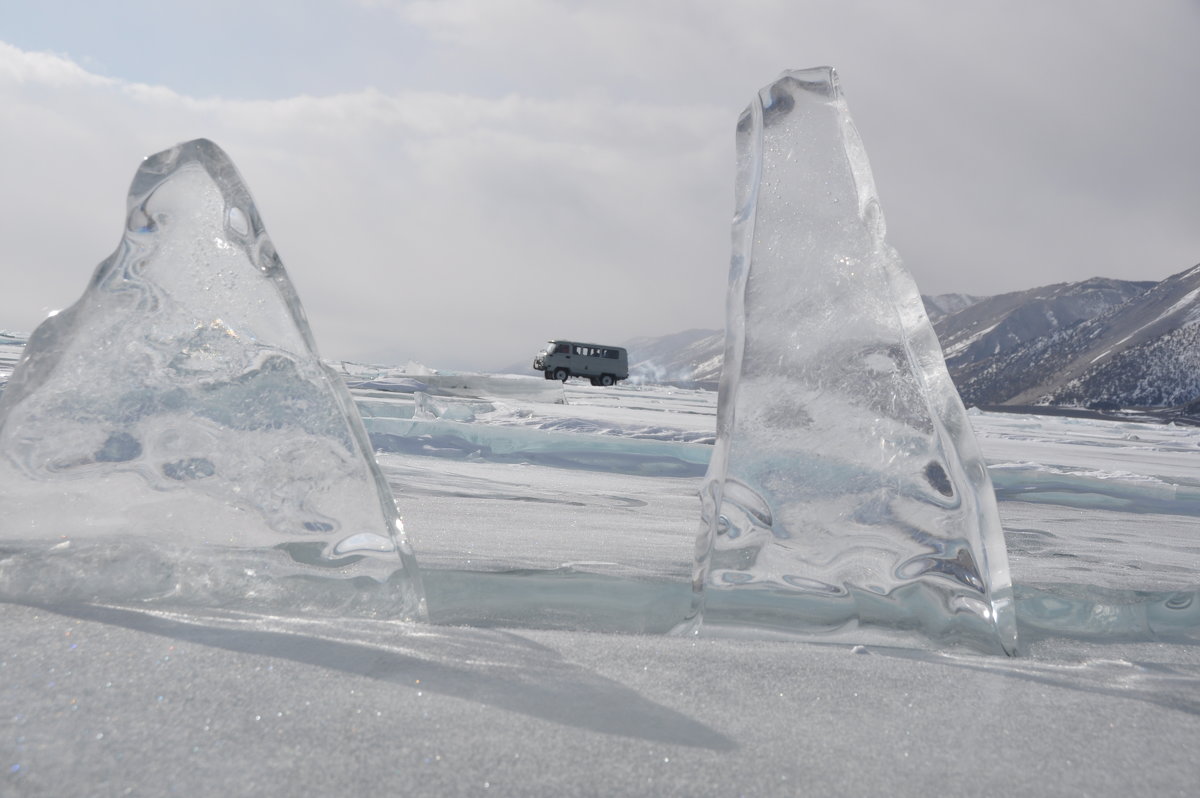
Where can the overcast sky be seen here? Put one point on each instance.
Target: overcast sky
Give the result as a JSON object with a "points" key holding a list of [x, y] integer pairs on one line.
{"points": [[455, 181]]}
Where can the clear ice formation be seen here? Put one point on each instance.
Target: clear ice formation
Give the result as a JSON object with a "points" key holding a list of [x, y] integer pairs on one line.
{"points": [[847, 496], [174, 435]]}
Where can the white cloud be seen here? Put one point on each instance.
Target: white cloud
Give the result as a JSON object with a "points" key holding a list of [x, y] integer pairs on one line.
{"points": [[48, 69], [458, 230], [531, 168]]}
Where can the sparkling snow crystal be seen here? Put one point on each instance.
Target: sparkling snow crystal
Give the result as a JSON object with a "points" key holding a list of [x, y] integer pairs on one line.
{"points": [[174, 434], [847, 495]]}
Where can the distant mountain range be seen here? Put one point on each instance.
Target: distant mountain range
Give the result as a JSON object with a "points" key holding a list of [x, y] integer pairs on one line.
{"points": [[692, 356], [1100, 344]]}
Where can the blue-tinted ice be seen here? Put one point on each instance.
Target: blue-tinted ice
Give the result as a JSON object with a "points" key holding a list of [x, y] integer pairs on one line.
{"points": [[846, 495], [174, 435]]}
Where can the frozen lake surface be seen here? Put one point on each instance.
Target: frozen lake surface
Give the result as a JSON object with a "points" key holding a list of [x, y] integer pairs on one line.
{"points": [[556, 542]]}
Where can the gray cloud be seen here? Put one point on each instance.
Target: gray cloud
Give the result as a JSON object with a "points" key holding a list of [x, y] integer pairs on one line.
{"points": [[538, 168]]}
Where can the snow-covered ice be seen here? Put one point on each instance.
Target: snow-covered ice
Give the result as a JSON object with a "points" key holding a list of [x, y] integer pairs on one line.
{"points": [[505, 694]]}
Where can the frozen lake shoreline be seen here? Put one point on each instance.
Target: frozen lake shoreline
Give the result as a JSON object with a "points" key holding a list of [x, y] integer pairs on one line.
{"points": [[161, 699]]}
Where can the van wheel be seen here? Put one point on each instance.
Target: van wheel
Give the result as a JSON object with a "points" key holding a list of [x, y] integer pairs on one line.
{"points": [[561, 375], [594, 380], [606, 379]]}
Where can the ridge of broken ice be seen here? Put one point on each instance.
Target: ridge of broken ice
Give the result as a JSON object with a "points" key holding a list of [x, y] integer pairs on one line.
{"points": [[178, 417]]}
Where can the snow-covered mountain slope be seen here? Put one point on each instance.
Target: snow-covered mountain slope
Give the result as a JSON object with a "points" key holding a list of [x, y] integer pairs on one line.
{"points": [[1163, 371], [689, 356], [1098, 343], [970, 328], [941, 305], [1002, 324], [696, 356], [1139, 353]]}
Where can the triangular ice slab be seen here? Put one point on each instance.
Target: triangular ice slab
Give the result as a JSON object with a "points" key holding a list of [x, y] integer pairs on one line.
{"points": [[174, 434], [846, 495]]}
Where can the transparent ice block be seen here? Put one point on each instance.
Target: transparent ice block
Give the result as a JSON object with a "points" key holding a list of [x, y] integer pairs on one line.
{"points": [[847, 497], [174, 435]]}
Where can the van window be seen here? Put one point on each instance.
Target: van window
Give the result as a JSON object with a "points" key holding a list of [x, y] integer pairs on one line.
{"points": [[562, 349]]}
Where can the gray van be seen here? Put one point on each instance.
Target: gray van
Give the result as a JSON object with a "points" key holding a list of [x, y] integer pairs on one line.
{"points": [[603, 365]]}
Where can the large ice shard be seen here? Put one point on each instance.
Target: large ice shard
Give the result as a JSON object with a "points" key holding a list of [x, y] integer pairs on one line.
{"points": [[847, 496], [173, 434]]}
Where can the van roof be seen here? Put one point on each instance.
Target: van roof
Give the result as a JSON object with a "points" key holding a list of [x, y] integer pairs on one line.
{"points": [[573, 342]]}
